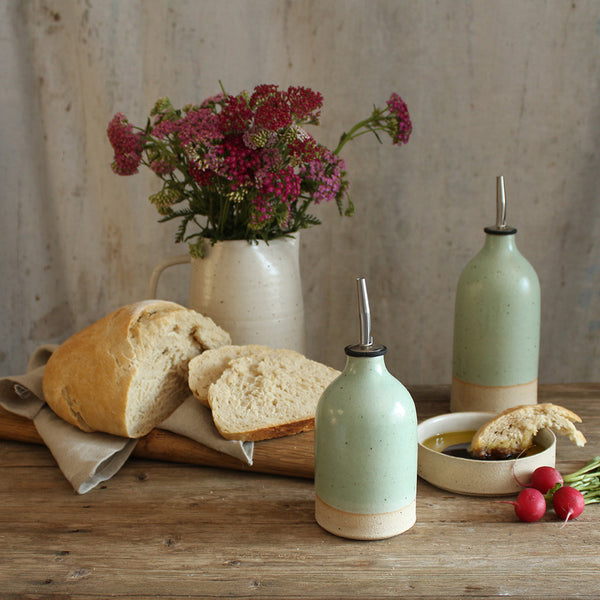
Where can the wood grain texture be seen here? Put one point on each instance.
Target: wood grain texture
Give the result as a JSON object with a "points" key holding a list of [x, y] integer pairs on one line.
{"points": [[292, 456], [169, 530]]}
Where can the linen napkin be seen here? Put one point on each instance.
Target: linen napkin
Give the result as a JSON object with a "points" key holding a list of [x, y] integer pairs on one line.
{"points": [[87, 459]]}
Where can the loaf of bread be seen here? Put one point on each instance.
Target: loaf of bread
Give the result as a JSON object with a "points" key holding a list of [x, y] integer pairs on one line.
{"points": [[512, 431], [128, 372], [268, 394], [207, 367]]}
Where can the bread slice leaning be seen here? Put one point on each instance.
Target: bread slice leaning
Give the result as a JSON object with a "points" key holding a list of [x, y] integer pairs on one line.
{"points": [[268, 395], [207, 367], [127, 372], [513, 430]]}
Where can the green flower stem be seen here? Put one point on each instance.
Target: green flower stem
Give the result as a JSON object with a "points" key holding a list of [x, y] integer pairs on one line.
{"points": [[223, 216], [366, 123]]}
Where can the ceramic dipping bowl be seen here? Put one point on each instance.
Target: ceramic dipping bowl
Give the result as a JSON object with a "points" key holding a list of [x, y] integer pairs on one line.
{"points": [[477, 477]]}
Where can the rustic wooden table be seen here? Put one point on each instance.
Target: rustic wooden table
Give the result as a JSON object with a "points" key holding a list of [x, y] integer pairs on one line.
{"points": [[171, 530]]}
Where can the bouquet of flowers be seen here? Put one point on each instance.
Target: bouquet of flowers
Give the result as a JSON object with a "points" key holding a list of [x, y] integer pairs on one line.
{"points": [[244, 167]]}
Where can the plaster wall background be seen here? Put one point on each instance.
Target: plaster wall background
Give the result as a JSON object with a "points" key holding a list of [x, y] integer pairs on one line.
{"points": [[493, 87]]}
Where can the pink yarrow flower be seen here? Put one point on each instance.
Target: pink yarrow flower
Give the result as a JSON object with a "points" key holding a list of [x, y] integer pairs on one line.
{"points": [[212, 101], [278, 188], [199, 126], [161, 166], [327, 173], [164, 128]]}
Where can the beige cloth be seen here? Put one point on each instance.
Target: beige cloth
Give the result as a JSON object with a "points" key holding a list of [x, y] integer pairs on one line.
{"points": [[87, 459]]}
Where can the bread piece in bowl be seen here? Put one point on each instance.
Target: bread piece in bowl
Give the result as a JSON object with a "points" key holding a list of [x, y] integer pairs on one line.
{"points": [[512, 431]]}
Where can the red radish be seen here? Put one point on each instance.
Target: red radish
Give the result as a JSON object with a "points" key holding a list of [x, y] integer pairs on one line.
{"points": [[530, 505], [545, 478], [542, 479], [568, 503]]}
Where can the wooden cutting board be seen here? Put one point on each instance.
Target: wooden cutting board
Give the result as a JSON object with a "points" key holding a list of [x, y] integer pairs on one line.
{"points": [[292, 456]]}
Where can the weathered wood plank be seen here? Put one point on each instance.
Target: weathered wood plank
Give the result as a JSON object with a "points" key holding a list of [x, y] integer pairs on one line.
{"points": [[178, 557], [172, 530]]}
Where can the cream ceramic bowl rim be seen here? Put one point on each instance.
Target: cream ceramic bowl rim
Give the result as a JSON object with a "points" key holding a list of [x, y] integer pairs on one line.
{"points": [[450, 418], [471, 476]]}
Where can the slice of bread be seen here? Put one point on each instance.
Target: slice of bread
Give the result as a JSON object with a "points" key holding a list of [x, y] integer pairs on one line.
{"points": [[128, 372], [207, 367], [512, 431], [268, 395]]}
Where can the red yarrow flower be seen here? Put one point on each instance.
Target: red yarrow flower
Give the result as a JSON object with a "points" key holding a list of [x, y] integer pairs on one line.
{"points": [[306, 149], [121, 135], [201, 176], [304, 103], [261, 93], [235, 116], [399, 110], [126, 144], [274, 113], [126, 164], [236, 162]]}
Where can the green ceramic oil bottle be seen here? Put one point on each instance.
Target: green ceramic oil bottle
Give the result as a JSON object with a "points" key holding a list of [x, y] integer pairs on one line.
{"points": [[365, 445], [496, 324]]}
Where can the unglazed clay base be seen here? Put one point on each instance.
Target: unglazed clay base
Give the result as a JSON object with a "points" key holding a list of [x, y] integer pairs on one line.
{"points": [[364, 527], [482, 398]]}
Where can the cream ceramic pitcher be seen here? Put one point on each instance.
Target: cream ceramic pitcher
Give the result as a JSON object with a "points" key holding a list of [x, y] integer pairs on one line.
{"points": [[252, 290]]}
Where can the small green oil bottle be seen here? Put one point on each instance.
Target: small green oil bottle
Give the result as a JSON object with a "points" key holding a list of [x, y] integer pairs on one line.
{"points": [[365, 445]]}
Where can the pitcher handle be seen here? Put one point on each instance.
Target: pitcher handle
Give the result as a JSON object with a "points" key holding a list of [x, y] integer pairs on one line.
{"points": [[160, 267]]}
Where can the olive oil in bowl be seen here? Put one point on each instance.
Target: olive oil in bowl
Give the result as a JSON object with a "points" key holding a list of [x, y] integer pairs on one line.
{"points": [[456, 443]]}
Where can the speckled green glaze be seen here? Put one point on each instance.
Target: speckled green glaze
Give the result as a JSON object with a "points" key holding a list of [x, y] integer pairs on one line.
{"points": [[497, 317], [366, 441]]}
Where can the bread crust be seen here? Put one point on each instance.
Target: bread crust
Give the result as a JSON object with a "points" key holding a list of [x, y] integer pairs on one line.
{"points": [[513, 430], [269, 433], [87, 380]]}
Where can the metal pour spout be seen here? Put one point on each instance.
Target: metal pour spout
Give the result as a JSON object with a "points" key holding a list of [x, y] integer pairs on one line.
{"points": [[365, 346], [500, 203], [364, 312], [500, 228]]}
